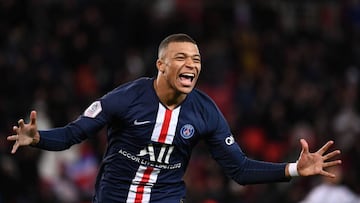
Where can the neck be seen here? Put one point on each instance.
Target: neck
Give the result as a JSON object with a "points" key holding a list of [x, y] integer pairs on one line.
{"points": [[168, 95]]}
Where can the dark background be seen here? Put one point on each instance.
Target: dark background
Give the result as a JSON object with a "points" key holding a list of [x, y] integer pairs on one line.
{"points": [[279, 70]]}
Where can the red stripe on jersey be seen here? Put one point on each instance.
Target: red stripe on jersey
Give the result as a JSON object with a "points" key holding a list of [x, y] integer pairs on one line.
{"points": [[165, 126], [140, 189]]}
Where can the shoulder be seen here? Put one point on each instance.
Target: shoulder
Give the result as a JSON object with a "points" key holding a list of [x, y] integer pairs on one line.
{"points": [[137, 84], [125, 94], [205, 105], [203, 100], [210, 112], [131, 88]]}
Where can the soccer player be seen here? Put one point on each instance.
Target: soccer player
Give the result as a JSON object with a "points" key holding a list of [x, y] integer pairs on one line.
{"points": [[153, 125]]}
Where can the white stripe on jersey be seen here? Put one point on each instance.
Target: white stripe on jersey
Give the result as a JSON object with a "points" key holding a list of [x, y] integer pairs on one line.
{"points": [[140, 189], [145, 178], [161, 124]]}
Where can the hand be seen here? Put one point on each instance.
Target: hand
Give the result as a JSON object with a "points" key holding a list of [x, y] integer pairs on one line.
{"points": [[315, 163], [26, 134]]}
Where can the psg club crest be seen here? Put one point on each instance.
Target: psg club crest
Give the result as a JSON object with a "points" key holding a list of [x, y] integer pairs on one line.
{"points": [[187, 131]]}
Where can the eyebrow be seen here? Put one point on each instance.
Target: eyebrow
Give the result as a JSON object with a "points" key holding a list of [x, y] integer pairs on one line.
{"points": [[182, 53]]}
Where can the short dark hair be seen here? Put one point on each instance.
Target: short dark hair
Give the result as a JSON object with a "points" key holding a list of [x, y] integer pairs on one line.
{"points": [[179, 37]]}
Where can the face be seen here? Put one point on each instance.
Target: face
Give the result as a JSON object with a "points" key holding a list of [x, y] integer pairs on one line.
{"points": [[179, 65]]}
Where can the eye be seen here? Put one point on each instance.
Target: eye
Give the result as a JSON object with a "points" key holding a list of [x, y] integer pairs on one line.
{"points": [[180, 58], [197, 60]]}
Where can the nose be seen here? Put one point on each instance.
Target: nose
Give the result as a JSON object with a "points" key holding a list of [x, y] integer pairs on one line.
{"points": [[189, 62]]}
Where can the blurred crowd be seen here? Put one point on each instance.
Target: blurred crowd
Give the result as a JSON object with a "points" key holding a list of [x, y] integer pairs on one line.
{"points": [[279, 71]]}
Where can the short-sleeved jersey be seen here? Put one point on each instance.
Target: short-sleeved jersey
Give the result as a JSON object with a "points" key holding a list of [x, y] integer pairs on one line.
{"points": [[149, 145]]}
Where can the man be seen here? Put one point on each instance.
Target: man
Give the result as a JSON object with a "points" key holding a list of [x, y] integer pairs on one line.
{"points": [[153, 124], [331, 190]]}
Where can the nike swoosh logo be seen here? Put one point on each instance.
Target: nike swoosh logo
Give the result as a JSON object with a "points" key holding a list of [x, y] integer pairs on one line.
{"points": [[136, 122]]}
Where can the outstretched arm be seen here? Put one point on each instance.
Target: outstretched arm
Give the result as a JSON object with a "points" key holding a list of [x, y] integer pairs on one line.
{"points": [[26, 134], [314, 163]]}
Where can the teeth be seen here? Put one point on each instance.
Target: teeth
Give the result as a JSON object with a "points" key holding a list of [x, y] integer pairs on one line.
{"points": [[188, 74]]}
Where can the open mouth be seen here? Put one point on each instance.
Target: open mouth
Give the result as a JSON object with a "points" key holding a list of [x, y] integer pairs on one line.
{"points": [[186, 78]]}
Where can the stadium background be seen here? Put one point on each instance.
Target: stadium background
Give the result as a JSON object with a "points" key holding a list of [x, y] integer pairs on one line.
{"points": [[279, 70]]}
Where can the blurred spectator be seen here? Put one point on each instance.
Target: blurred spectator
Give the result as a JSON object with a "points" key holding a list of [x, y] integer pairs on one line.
{"points": [[331, 190], [347, 120]]}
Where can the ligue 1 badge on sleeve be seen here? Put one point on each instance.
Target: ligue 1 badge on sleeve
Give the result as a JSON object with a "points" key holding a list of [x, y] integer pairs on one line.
{"points": [[187, 131], [93, 110]]}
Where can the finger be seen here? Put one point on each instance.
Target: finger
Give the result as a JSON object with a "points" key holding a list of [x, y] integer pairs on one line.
{"points": [[331, 163], [327, 174], [12, 138], [33, 118], [21, 123], [324, 148], [15, 147], [331, 154], [304, 146], [16, 129]]}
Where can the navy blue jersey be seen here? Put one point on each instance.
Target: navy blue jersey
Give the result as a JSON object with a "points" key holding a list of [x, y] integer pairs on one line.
{"points": [[149, 146]]}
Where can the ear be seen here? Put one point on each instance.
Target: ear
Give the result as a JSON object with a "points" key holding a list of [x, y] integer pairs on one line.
{"points": [[160, 65]]}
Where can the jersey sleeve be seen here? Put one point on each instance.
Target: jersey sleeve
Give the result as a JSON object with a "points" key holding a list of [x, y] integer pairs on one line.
{"points": [[235, 163], [95, 117], [86, 125]]}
